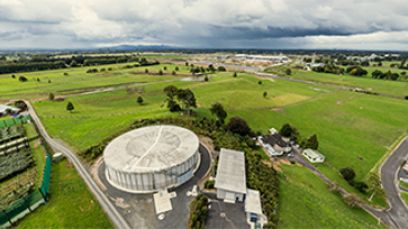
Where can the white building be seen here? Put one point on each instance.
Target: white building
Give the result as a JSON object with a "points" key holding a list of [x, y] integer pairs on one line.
{"points": [[5, 110], [230, 180], [313, 156], [253, 209], [262, 58], [151, 158]]}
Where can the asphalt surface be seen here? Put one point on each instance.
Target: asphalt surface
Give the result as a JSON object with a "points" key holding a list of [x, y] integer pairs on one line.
{"points": [[116, 218], [397, 211]]}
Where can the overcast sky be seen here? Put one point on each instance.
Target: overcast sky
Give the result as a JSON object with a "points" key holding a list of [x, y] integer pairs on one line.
{"points": [[363, 24]]}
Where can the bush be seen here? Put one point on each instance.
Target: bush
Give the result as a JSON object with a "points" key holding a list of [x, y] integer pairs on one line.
{"points": [[198, 212], [348, 174], [209, 184], [360, 186]]}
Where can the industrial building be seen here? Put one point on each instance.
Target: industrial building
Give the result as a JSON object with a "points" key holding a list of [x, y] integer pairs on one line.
{"points": [[253, 209], [151, 158], [230, 180], [313, 156]]}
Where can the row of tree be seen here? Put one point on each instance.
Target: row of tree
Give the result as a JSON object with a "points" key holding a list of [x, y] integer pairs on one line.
{"points": [[377, 74]]}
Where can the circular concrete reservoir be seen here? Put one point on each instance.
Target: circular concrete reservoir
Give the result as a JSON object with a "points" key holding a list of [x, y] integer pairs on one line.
{"points": [[151, 158]]}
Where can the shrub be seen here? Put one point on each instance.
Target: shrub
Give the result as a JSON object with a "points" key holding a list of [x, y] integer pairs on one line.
{"points": [[348, 174], [198, 212], [51, 96], [209, 184]]}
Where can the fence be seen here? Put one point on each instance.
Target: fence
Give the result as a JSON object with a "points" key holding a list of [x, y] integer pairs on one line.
{"points": [[14, 121], [30, 202]]}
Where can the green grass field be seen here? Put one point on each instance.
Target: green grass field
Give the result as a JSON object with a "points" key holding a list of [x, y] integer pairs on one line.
{"points": [[71, 205], [354, 130], [78, 79], [306, 202], [395, 88]]}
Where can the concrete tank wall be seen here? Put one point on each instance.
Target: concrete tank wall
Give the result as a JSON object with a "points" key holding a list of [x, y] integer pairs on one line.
{"points": [[153, 181]]}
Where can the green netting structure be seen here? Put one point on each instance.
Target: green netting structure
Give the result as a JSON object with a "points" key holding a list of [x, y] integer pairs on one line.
{"points": [[14, 121], [24, 206]]}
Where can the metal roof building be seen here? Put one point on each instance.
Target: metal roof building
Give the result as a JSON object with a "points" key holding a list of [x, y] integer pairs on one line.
{"points": [[151, 158], [230, 180]]}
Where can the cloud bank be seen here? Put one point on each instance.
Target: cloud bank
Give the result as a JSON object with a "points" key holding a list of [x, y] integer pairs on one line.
{"points": [[364, 24]]}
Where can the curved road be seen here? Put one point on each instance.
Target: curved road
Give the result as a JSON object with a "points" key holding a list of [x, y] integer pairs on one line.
{"points": [[397, 211], [115, 217]]}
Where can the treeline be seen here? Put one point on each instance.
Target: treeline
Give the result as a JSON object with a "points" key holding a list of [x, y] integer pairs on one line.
{"points": [[48, 63], [377, 74], [31, 66]]}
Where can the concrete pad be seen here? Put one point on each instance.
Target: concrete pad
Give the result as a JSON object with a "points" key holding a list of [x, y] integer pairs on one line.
{"points": [[162, 201]]}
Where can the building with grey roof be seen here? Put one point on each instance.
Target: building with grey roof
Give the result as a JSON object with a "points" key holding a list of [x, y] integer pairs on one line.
{"points": [[151, 158], [230, 180]]}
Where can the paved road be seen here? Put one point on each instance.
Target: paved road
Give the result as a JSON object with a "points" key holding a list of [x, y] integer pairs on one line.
{"points": [[389, 179], [115, 217]]}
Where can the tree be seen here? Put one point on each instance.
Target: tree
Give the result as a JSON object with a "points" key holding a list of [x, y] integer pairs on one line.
{"points": [[348, 174], [49, 81], [139, 100], [312, 142], [374, 185], [173, 73], [206, 78], [187, 98], [165, 68], [221, 69], [235, 75], [51, 96], [176, 69], [265, 94], [13, 76], [146, 70], [160, 72], [218, 110], [239, 126], [65, 73], [170, 91], [288, 71], [173, 106], [286, 130], [22, 79], [70, 107], [260, 82]]}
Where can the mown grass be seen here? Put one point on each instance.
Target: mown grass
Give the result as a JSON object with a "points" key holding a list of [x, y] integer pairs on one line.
{"points": [[395, 88], [306, 202], [71, 205], [54, 81]]}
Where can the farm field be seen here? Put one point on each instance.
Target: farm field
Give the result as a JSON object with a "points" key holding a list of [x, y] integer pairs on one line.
{"points": [[394, 88], [304, 204], [71, 205]]}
